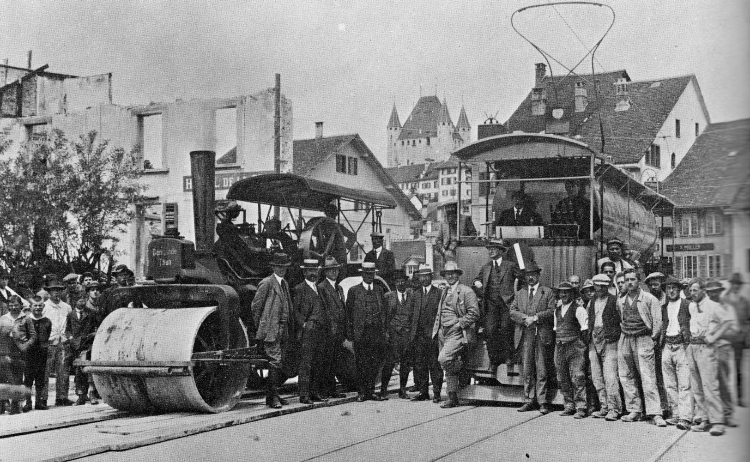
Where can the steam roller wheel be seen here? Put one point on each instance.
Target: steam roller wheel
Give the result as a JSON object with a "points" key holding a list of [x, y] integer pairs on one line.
{"points": [[142, 360]]}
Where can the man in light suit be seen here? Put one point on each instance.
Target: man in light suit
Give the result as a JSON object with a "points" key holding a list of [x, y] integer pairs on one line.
{"points": [[333, 299], [496, 280], [455, 328], [274, 321], [366, 314], [425, 349], [533, 309], [399, 306], [383, 258]]}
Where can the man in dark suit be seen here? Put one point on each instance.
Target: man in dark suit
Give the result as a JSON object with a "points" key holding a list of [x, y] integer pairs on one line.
{"points": [[399, 306], [315, 334], [383, 258], [366, 327], [274, 322], [425, 349], [604, 328], [80, 328], [521, 214], [533, 308], [333, 299], [496, 280]]}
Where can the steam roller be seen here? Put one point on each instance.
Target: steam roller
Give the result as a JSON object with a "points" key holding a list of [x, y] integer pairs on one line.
{"points": [[178, 343]]}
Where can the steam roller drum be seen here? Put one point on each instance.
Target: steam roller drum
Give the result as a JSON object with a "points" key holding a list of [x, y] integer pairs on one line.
{"points": [[141, 360]]}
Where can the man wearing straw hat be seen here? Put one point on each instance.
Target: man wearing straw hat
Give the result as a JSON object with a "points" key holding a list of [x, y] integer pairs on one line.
{"points": [[425, 348], [366, 327], [496, 279], [454, 328], [533, 308]]}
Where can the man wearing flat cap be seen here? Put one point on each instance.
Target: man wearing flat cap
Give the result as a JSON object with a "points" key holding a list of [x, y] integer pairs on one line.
{"points": [[274, 321], [655, 283], [571, 324], [496, 280], [615, 248], [57, 311], [383, 258], [604, 331], [521, 214], [742, 340], [455, 328], [533, 308], [314, 328], [366, 314], [425, 349]]}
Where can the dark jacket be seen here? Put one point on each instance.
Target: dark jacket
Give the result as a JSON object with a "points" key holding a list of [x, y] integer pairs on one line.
{"points": [[403, 310], [683, 318], [385, 264], [81, 331], [610, 319], [429, 304], [355, 311], [333, 300], [43, 327], [267, 306], [509, 271], [307, 303], [542, 306], [527, 217], [16, 336]]}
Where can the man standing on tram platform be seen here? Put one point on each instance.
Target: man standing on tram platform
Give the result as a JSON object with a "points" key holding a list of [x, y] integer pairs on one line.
{"points": [[496, 280], [615, 255], [640, 315], [383, 258]]}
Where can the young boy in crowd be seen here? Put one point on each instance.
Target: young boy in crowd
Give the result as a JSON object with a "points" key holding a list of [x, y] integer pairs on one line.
{"points": [[36, 355]]}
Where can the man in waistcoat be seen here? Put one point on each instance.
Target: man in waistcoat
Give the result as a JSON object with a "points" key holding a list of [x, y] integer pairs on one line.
{"points": [[333, 299], [454, 328], [675, 338], [425, 349], [367, 328], [640, 315], [533, 308], [709, 321], [399, 306], [571, 328], [274, 321], [496, 280], [604, 329], [315, 333]]}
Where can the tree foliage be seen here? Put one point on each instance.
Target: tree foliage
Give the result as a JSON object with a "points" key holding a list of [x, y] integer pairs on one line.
{"points": [[65, 200]]}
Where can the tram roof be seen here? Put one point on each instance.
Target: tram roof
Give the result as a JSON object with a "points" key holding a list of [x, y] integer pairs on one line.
{"points": [[295, 191], [517, 146]]}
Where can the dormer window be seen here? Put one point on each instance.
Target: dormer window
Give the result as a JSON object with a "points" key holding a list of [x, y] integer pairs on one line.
{"points": [[538, 101]]}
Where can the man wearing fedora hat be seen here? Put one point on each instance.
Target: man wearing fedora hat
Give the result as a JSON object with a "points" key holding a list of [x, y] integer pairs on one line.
{"points": [[496, 280], [532, 309], [57, 311], [742, 340], [383, 258], [675, 338], [454, 328], [274, 323], [315, 334], [724, 350], [399, 306], [604, 331], [333, 300], [367, 328], [425, 349]]}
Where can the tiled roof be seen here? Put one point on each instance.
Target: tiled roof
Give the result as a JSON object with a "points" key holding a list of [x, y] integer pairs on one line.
{"points": [[230, 157], [627, 134], [393, 122], [463, 120], [405, 173], [715, 172], [422, 121], [310, 153]]}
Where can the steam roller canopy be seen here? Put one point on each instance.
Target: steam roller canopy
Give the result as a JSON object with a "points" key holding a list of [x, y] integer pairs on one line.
{"points": [[141, 360]]}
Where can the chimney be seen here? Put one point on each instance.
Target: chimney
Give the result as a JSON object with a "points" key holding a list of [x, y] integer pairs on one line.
{"points": [[28, 64], [318, 130], [581, 97], [541, 71], [5, 71]]}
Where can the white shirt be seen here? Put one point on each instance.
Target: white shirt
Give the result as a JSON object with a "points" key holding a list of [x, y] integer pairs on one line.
{"points": [[401, 296], [599, 305], [332, 282], [278, 279], [8, 292], [673, 308], [581, 314], [58, 314], [535, 288], [499, 261], [312, 285], [377, 252], [367, 286]]}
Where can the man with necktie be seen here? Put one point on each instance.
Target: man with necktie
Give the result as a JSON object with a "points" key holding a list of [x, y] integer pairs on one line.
{"points": [[425, 349], [399, 306], [315, 334], [333, 300]]}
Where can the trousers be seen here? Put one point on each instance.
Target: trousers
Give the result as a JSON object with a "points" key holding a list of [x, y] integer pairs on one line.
{"points": [[676, 372], [603, 359], [704, 382], [57, 362], [452, 344], [425, 353], [571, 375], [635, 357], [535, 373]]}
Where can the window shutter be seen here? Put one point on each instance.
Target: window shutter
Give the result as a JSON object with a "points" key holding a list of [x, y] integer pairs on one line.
{"points": [[702, 266]]}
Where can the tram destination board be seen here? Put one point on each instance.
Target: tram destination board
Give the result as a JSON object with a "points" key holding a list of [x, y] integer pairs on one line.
{"points": [[690, 247]]}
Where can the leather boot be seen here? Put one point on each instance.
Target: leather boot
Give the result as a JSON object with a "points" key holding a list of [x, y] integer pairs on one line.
{"points": [[452, 400], [27, 405], [272, 390]]}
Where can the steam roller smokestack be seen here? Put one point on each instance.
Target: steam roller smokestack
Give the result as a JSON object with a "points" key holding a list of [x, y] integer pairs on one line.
{"points": [[203, 172]]}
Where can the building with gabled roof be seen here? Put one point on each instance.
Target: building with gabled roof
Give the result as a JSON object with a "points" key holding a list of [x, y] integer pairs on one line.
{"points": [[647, 126], [710, 236], [347, 161], [428, 134]]}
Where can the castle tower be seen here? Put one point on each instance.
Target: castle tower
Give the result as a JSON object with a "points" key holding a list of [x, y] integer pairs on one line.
{"points": [[463, 127], [394, 131], [445, 131]]}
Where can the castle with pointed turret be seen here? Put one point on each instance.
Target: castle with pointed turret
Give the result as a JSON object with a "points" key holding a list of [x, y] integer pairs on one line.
{"points": [[428, 135]]}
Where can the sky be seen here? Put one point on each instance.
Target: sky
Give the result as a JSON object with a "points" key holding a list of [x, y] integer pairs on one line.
{"points": [[346, 63]]}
